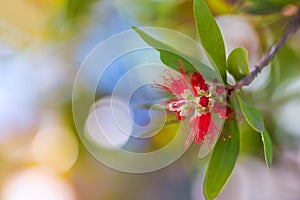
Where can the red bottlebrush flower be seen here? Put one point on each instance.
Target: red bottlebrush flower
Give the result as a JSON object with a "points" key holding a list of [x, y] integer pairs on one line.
{"points": [[173, 83], [180, 118], [193, 100], [197, 79], [204, 101], [198, 83], [203, 126]]}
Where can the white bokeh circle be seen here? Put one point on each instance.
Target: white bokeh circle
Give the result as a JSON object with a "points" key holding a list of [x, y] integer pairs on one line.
{"points": [[36, 184], [101, 127]]}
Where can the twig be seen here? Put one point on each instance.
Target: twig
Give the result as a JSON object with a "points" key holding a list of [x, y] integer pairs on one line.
{"points": [[265, 60]]}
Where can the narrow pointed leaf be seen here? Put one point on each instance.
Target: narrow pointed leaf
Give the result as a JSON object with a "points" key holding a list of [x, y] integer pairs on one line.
{"points": [[168, 55], [237, 63], [254, 118], [222, 162], [268, 149], [210, 36]]}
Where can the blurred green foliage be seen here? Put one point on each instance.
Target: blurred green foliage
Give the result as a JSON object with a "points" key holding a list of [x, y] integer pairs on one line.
{"points": [[267, 6]]}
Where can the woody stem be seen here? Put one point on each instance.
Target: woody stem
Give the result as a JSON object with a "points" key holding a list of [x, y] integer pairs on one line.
{"points": [[266, 59]]}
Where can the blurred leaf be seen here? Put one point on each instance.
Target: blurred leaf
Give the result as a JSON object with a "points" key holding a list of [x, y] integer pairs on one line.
{"points": [[262, 10], [159, 138], [284, 69], [222, 161], [267, 6], [288, 60], [172, 14], [220, 7], [254, 118], [237, 63], [160, 132], [76, 8], [273, 2], [170, 120], [70, 18], [164, 136], [210, 36]]}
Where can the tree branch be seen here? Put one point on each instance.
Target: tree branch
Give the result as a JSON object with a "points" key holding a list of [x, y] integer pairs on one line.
{"points": [[266, 59]]}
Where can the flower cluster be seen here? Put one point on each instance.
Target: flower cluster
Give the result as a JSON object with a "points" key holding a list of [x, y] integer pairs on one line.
{"points": [[196, 100]]}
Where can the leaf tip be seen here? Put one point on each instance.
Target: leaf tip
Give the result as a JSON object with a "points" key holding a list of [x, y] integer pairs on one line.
{"points": [[269, 164], [208, 195], [269, 161]]}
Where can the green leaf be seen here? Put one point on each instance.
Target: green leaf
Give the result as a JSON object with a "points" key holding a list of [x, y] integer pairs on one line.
{"points": [[222, 161], [168, 55], [210, 36], [267, 6], [237, 63], [268, 149], [254, 118]]}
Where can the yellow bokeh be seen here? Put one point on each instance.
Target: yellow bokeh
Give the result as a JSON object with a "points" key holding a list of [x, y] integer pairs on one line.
{"points": [[28, 16]]}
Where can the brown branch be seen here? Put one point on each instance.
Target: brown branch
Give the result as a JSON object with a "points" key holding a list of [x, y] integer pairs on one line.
{"points": [[266, 59]]}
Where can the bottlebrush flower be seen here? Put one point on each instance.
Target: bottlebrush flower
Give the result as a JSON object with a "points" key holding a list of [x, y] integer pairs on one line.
{"points": [[197, 101]]}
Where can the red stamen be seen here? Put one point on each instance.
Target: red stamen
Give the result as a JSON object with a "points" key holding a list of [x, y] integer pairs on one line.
{"points": [[197, 79], [223, 132], [180, 118], [204, 101], [203, 126], [204, 87]]}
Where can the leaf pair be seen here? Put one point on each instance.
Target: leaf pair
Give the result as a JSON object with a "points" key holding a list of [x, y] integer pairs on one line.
{"points": [[254, 118]]}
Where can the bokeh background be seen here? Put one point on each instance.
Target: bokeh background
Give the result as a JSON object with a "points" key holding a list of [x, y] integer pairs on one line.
{"points": [[44, 42]]}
